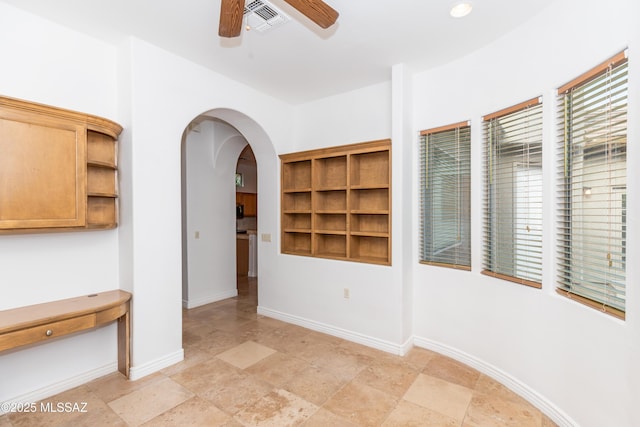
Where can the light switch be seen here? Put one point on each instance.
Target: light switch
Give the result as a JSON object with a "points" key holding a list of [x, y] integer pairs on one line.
{"points": [[197, 234], [266, 237]]}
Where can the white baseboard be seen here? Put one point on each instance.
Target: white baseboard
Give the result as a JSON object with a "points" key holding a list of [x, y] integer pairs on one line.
{"points": [[389, 347], [139, 371], [209, 299], [67, 384], [518, 387]]}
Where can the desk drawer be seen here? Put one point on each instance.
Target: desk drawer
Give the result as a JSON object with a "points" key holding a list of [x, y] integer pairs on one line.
{"points": [[46, 331]]}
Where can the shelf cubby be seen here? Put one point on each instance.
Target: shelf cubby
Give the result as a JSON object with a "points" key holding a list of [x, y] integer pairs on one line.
{"points": [[296, 222], [298, 243], [331, 201], [331, 222], [370, 201], [296, 175], [297, 202], [331, 246], [370, 249], [371, 224], [370, 170], [101, 181], [101, 150], [331, 173], [102, 212]]}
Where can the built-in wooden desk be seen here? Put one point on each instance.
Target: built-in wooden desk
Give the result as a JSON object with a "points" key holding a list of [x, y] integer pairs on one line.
{"points": [[41, 322]]}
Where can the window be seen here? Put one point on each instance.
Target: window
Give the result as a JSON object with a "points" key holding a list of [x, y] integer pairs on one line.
{"points": [[513, 194], [445, 182], [593, 178]]}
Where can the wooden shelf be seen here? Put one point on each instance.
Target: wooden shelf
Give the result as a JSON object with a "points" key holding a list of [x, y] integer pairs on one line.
{"points": [[72, 159], [336, 202]]}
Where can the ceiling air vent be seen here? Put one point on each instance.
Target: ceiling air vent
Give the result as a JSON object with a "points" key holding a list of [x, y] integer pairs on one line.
{"points": [[262, 15]]}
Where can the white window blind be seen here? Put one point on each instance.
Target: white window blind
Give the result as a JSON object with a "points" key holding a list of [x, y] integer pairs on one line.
{"points": [[593, 177], [513, 194], [445, 159]]}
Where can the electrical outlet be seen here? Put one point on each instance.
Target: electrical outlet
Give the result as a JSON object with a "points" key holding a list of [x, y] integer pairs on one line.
{"points": [[346, 293], [266, 237], [197, 234]]}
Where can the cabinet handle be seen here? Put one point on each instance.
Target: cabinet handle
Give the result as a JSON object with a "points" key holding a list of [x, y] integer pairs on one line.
{"points": [[49, 332]]}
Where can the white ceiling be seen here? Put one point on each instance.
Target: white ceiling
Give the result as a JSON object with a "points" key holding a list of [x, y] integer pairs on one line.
{"points": [[298, 61]]}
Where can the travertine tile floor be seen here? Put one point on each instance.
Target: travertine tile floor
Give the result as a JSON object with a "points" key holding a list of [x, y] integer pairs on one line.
{"points": [[242, 369]]}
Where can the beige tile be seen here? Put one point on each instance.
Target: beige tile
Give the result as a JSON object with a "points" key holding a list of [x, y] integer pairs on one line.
{"points": [[278, 368], [245, 354], [419, 357], [365, 353], [311, 347], [235, 393], [324, 418], [281, 338], [344, 366], [115, 385], [146, 403], [489, 386], [279, 408], [451, 370], [207, 375], [219, 341], [440, 396], [361, 404], [193, 412], [192, 356], [100, 415], [408, 414], [4, 421], [493, 411], [47, 412], [314, 384], [392, 376], [548, 422]]}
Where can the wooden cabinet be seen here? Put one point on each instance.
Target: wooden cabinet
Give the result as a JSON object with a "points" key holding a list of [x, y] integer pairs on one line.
{"points": [[58, 169], [249, 201], [336, 202], [242, 255]]}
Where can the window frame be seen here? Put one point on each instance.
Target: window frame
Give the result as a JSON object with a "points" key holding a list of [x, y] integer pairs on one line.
{"points": [[565, 270], [490, 240], [426, 212]]}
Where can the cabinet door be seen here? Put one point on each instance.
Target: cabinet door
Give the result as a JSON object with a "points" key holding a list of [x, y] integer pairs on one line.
{"points": [[249, 200], [42, 172]]}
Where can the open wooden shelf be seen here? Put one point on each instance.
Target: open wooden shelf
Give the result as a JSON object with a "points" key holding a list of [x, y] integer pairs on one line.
{"points": [[336, 202]]}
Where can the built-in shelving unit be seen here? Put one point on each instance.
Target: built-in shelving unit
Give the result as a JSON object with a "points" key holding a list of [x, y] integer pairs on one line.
{"points": [[102, 181], [59, 169], [336, 202]]}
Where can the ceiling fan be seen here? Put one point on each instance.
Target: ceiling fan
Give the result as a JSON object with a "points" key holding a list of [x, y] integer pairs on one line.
{"points": [[232, 12]]}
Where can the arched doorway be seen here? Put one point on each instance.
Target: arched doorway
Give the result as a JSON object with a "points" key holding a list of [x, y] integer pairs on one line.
{"points": [[211, 147]]}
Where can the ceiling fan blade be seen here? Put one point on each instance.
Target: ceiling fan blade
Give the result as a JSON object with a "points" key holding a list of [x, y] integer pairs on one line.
{"points": [[316, 10], [231, 14]]}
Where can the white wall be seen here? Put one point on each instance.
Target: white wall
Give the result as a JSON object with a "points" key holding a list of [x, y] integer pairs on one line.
{"points": [[211, 156], [309, 291], [570, 359], [167, 92], [46, 63]]}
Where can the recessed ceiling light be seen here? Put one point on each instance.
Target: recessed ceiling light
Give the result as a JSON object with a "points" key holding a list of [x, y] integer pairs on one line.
{"points": [[461, 9]]}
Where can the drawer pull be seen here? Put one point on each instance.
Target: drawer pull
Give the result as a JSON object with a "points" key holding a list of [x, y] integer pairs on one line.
{"points": [[49, 332]]}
